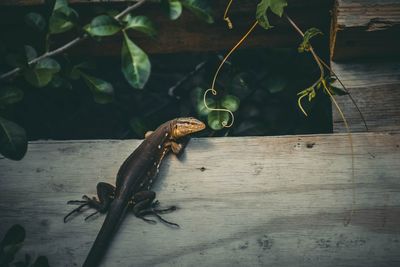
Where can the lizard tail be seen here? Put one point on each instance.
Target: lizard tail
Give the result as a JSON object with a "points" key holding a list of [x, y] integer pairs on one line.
{"points": [[111, 223]]}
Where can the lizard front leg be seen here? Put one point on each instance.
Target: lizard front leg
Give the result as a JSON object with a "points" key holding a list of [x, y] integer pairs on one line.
{"points": [[177, 148], [105, 194]]}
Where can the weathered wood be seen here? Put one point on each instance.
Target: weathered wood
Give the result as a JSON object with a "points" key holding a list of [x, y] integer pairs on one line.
{"points": [[189, 33], [256, 201], [365, 28], [375, 87]]}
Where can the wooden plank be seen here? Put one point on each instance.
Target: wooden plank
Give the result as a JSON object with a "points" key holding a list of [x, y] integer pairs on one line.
{"points": [[256, 201], [375, 86], [188, 33], [365, 28]]}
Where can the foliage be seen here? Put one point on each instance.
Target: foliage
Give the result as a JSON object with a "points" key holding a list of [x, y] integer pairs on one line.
{"points": [[11, 244], [263, 99], [41, 71], [310, 92], [216, 119], [275, 6], [200, 8], [323, 82], [257, 96], [305, 44], [173, 8], [136, 65], [13, 140], [103, 25]]}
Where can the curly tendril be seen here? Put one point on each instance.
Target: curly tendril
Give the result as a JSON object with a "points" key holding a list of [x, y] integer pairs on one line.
{"points": [[212, 89]]}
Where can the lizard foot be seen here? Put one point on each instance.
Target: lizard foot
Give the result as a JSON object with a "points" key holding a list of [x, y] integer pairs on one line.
{"points": [[155, 207], [154, 211], [90, 202], [105, 194], [145, 213]]}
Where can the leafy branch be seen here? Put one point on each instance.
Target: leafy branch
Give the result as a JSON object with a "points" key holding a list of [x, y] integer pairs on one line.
{"points": [[70, 44], [42, 70], [325, 82]]}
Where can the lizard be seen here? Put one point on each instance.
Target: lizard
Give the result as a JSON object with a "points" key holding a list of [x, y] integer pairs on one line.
{"points": [[133, 183]]}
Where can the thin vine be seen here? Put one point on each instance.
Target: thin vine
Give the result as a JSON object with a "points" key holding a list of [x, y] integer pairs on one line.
{"points": [[212, 89], [277, 7], [310, 92]]}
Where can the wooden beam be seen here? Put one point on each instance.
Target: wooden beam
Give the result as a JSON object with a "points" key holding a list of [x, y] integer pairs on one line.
{"points": [[375, 86], [255, 201], [365, 28]]}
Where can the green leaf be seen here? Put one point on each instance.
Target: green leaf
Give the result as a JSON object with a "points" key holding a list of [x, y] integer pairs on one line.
{"points": [[136, 66], [62, 19], [276, 6], [74, 71], [49, 64], [276, 84], [311, 95], [138, 126], [20, 59], [230, 102], [30, 53], [11, 244], [197, 98], [41, 74], [200, 8], [305, 44], [60, 3], [173, 8], [10, 95], [103, 92], [140, 23], [35, 21], [337, 91], [201, 108], [240, 85], [217, 119], [60, 82], [13, 140], [38, 77], [103, 25]]}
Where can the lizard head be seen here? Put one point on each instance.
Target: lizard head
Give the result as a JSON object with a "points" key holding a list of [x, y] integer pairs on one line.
{"points": [[184, 126]]}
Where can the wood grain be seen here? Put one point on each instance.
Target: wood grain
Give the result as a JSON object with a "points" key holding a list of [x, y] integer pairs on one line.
{"points": [[375, 86], [365, 28], [257, 201]]}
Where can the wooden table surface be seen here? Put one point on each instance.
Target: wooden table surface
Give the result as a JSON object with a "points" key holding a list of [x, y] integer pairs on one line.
{"points": [[254, 201]]}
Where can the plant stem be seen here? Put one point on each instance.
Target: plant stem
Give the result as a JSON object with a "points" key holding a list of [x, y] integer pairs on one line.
{"points": [[129, 9], [348, 92], [321, 64], [70, 44], [316, 57]]}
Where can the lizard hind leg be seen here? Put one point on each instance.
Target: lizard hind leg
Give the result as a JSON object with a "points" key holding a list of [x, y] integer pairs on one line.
{"points": [[105, 194], [144, 205]]}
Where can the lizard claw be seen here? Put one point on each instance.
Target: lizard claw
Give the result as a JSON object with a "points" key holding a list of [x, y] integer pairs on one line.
{"points": [[166, 210], [147, 220], [154, 212], [89, 216], [78, 209]]}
